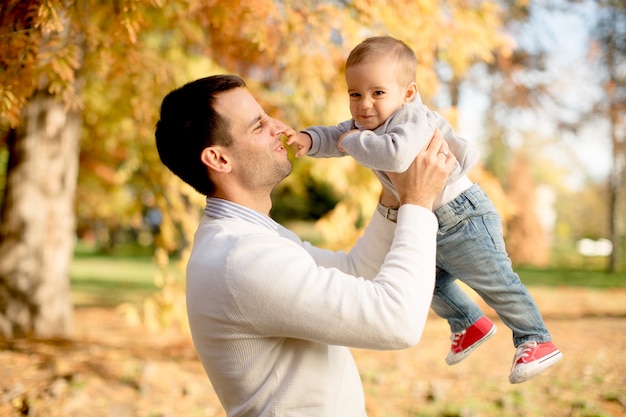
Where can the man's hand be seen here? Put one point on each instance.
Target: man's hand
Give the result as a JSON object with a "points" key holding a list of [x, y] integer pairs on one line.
{"points": [[424, 180], [302, 141]]}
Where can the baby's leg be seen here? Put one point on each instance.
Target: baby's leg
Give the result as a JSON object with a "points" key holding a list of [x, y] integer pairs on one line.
{"points": [[452, 303], [473, 251]]}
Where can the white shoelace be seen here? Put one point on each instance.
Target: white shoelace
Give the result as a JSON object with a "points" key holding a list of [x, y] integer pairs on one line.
{"points": [[523, 351], [456, 336]]}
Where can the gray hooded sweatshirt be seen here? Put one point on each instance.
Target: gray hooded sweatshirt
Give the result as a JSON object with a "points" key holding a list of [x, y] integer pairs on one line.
{"points": [[395, 144]]}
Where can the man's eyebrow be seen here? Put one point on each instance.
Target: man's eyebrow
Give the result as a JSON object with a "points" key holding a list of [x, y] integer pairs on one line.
{"points": [[256, 120]]}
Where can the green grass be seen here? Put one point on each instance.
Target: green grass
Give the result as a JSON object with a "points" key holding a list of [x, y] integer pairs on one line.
{"points": [[128, 275], [571, 278], [109, 281]]}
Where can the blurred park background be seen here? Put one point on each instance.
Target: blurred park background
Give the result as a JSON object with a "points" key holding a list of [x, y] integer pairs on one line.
{"points": [[90, 218]]}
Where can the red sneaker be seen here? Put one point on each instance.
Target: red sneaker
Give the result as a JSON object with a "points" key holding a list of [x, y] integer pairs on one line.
{"points": [[531, 359], [465, 342]]}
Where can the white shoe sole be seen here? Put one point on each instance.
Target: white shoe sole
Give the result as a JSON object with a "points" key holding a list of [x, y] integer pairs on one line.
{"points": [[454, 358], [524, 372]]}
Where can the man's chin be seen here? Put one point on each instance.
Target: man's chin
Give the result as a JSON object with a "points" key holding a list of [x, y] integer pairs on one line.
{"points": [[288, 169], [284, 170]]}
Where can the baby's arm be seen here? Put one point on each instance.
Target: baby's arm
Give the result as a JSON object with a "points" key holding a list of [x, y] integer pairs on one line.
{"points": [[325, 139], [343, 136], [393, 146]]}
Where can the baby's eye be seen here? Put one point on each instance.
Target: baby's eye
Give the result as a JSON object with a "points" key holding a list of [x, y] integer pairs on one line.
{"points": [[379, 93], [355, 95]]}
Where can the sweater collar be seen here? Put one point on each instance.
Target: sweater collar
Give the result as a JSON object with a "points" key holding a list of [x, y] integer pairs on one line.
{"points": [[219, 209]]}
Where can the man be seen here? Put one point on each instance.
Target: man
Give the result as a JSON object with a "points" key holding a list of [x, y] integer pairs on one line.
{"points": [[272, 318]]}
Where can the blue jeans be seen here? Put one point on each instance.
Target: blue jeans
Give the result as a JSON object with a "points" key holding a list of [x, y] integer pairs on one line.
{"points": [[470, 247]]}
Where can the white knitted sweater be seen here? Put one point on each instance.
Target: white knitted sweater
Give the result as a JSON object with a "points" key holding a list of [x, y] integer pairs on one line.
{"points": [[272, 317]]}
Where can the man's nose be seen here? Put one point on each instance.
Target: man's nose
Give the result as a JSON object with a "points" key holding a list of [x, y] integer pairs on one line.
{"points": [[278, 127]]}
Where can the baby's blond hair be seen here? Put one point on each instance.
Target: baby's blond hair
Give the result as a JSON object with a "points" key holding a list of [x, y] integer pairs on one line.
{"points": [[380, 47]]}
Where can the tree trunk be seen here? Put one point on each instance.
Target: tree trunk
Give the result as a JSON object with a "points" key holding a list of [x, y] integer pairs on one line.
{"points": [[526, 239], [37, 221], [616, 182]]}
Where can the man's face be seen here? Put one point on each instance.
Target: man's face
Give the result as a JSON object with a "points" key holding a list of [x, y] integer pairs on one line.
{"points": [[375, 93], [258, 155]]}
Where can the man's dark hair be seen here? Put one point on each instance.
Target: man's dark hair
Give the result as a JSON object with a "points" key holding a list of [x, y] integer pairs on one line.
{"points": [[189, 123]]}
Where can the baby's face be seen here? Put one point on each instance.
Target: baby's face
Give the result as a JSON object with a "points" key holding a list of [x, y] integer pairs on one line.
{"points": [[375, 93]]}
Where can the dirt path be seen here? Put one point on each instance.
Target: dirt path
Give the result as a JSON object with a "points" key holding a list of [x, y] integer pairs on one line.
{"points": [[114, 369]]}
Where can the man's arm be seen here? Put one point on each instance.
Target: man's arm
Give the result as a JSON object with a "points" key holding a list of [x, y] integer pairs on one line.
{"points": [[302, 299]]}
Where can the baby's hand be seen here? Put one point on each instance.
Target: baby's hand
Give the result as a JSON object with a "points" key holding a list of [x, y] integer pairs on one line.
{"points": [[302, 142]]}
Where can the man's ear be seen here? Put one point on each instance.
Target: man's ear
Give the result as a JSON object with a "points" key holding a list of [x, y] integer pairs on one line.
{"points": [[216, 158], [410, 92]]}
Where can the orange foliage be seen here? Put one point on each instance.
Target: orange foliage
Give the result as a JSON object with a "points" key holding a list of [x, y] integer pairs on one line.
{"points": [[130, 54]]}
